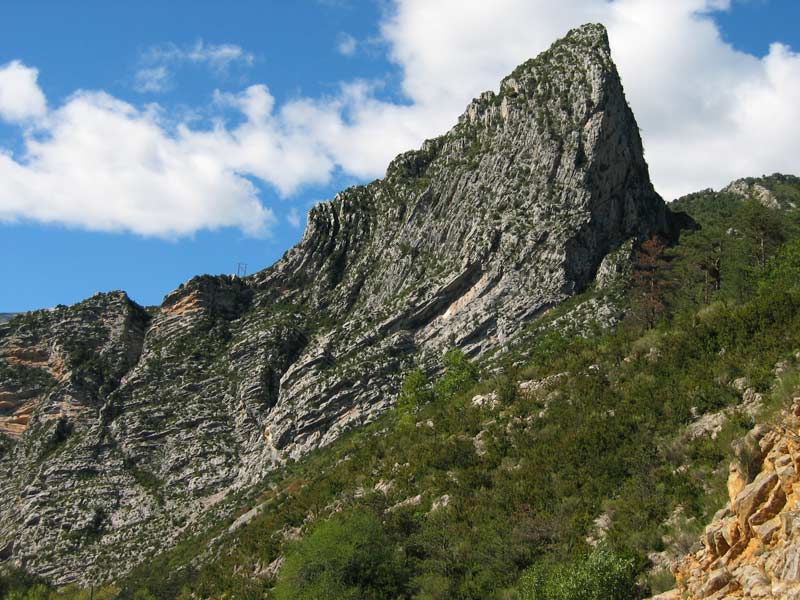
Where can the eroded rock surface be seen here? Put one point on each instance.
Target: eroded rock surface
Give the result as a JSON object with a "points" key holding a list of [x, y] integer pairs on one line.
{"points": [[759, 190], [121, 427], [752, 548]]}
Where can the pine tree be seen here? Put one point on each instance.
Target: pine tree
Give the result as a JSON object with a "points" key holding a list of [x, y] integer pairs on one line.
{"points": [[649, 282], [763, 228]]}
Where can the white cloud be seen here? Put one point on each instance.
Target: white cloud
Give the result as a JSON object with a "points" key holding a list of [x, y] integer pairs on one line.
{"points": [[689, 89], [158, 62], [105, 165], [293, 217], [346, 44], [20, 96], [708, 114], [153, 79], [217, 56]]}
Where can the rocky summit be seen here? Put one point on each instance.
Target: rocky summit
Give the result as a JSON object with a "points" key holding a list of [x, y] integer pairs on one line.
{"points": [[121, 427]]}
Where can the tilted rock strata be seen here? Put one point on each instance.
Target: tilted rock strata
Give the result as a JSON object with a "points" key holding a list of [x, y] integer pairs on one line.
{"points": [[120, 440]]}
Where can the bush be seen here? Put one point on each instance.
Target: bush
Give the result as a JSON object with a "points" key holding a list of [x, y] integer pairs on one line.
{"points": [[20, 585], [415, 391], [459, 375], [600, 576], [783, 272], [346, 556]]}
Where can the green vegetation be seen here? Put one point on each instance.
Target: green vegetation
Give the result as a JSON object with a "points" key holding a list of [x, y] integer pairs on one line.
{"points": [[347, 556], [26, 375], [444, 497], [600, 576], [459, 375]]}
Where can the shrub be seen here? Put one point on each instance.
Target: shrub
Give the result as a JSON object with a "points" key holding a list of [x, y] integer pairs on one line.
{"points": [[347, 556], [459, 375], [415, 391], [602, 575], [783, 272]]}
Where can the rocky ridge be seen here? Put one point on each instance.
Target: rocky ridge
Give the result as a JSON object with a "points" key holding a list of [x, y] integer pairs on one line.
{"points": [[121, 428], [763, 190]]}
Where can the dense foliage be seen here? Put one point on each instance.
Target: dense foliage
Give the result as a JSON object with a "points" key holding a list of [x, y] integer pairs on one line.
{"points": [[346, 556], [599, 576]]}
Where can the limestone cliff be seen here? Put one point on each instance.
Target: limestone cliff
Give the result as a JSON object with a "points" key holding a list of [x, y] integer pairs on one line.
{"points": [[122, 427]]}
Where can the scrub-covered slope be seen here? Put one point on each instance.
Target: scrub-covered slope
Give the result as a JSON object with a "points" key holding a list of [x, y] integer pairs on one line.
{"points": [[121, 427]]}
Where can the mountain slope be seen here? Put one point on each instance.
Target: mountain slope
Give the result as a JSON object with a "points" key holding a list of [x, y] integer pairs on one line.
{"points": [[123, 428], [617, 438]]}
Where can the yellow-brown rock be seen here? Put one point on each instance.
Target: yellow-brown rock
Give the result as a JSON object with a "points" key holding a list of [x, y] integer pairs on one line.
{"points": [[752, 548]]}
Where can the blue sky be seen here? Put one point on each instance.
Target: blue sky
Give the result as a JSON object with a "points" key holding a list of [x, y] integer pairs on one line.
{"points": [[149, 142]]}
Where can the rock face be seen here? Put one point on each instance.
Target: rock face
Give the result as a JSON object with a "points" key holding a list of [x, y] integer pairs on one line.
{"points": [[763, 190], [752, 548], [122, 427]]}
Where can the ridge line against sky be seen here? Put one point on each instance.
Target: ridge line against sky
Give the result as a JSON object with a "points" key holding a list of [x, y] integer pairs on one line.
{"points": [[250, 154]]}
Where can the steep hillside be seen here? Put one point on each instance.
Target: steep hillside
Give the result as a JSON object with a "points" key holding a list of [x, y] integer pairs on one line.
{"points": [[122, 429], [569, 467]]}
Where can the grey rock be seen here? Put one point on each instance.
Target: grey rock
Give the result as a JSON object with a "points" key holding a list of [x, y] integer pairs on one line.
{"points": [[756, 191], [121, 427], [764, 190], [716, 581], [791, 568]]}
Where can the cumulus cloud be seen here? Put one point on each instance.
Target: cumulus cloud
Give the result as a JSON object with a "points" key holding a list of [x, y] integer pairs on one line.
{"points": [[105, 165], [20, 96], [708, 113], [701, 104]]}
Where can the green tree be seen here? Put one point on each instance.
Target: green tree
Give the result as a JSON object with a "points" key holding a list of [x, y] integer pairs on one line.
{"points": [[649, 281], [37, 592], [763, 228], [711, 267], [17, 584], [459, 375], [415, 391], [348, 556], [602, 575], [783, 271]]}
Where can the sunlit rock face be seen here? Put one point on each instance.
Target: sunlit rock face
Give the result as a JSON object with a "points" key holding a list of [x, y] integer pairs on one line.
{"points": [[122, 427]]}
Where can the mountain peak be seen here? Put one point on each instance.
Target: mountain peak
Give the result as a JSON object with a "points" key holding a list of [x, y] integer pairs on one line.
{"points": [[581, 46], [463, 243], [588, 34]]}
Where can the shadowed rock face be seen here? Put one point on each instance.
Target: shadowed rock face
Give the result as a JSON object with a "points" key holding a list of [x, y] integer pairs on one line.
{"points": [[122, 427]]}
